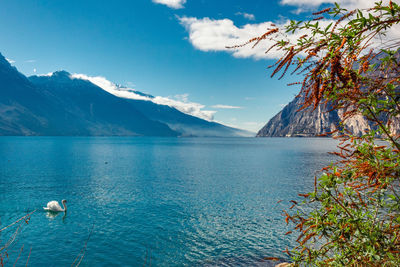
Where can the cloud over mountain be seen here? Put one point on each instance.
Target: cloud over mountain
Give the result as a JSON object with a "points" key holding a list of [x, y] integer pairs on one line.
{"points": [[10, 60], [180, 102]]}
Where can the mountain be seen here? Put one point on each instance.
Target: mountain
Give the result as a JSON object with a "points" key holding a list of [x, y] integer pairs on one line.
{"points": [[78, 91], [93, 111], [185, 124], [60, 104], [23, 109], [290, 122]]}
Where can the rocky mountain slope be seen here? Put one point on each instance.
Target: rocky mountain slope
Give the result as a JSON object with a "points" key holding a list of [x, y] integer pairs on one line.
{"points": [[60, 104], [290, 122], [89, 110]]}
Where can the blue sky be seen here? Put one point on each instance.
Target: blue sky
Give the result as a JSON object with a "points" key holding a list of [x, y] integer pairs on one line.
{"points": [[173, 48]]}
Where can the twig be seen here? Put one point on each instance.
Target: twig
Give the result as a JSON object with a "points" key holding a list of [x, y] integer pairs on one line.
{"points": [[19, 255], [28, 257], [83, 250], [145, 259], [11, 240], [27, 215]]}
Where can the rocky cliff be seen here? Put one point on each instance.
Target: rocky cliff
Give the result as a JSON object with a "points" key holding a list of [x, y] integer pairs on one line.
{"points": [[306, 123]]}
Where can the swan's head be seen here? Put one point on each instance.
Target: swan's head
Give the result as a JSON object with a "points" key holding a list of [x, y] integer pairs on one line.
{"points": [[63, 201]]}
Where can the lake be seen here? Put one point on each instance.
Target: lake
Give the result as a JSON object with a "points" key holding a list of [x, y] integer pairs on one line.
{"points": [[155, 201]]}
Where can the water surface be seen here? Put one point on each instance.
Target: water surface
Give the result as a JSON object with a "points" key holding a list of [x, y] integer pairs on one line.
{"points": [[171, 201]]}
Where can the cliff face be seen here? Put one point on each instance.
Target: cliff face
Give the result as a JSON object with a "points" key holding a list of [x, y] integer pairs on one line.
{"points": [[290, 122], [307, 123]]}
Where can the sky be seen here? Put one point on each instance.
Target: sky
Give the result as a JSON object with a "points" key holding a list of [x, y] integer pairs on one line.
{"points": [[174, 50]]}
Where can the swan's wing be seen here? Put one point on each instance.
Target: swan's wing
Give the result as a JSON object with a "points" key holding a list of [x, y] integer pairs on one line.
{"points": [[54, 206]]}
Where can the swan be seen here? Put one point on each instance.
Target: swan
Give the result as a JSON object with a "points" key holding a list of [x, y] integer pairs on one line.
{"points": [[54, 206]]}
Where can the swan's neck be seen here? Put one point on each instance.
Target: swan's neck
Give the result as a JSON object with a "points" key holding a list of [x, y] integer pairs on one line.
{"points": [[65, 206]]}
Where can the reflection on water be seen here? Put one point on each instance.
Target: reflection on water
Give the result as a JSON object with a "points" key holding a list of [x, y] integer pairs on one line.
{"points": [[51, 215], [183, 201]]}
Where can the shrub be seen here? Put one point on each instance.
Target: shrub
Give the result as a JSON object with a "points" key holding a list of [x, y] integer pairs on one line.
{"points": [[353, 66]]}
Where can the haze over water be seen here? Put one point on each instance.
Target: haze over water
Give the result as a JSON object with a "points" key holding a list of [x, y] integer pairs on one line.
{"points": [[180, 201]]}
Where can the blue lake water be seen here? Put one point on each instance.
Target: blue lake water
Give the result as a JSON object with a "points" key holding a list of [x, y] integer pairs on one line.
{"points": [[155, 201]]}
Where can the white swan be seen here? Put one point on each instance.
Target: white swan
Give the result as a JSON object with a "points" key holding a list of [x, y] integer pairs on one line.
{"points": [[54, 206]]}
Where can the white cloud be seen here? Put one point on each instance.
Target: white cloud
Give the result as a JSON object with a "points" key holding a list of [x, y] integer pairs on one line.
{"points": [[182, 97], [46, 75], [180, 102], [10, 61], [306, 2], [246, 15], [30, 61], [226, 107], [191, 108], [176, 4], [306, 5], [216, 34], [97, 80]]}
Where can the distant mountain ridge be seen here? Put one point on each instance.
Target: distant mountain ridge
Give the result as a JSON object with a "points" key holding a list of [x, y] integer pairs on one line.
{"points": [[59, 104]]}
